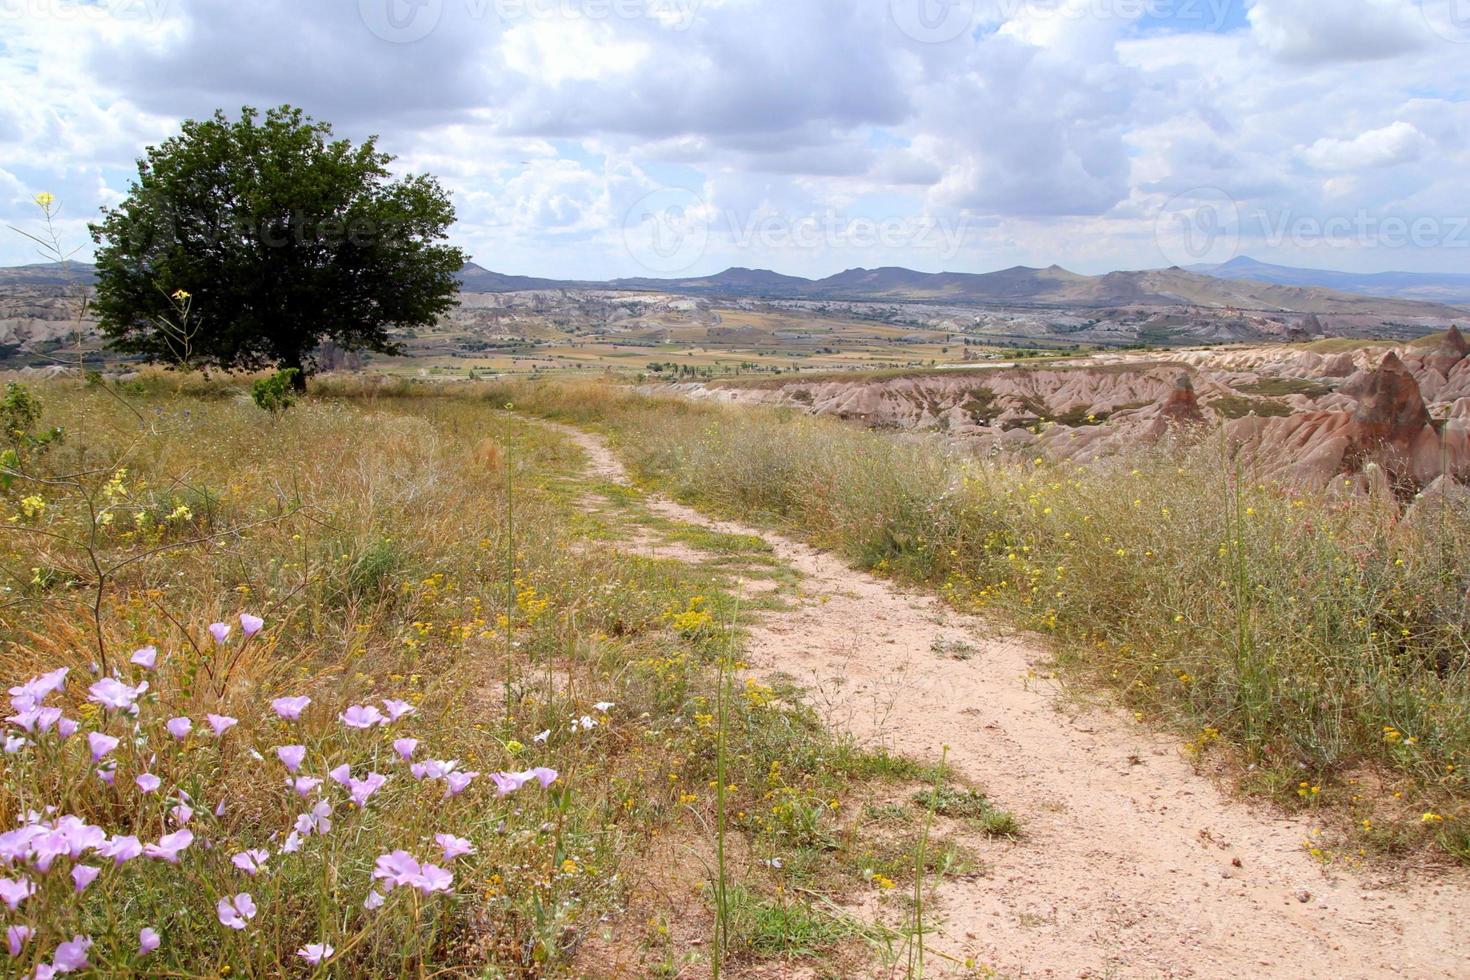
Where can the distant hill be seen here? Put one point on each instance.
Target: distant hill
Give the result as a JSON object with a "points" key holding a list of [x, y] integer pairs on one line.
{"points": [[477, 279], [1228, 288], [1427, 286], [48, 274], [1049, 287]]}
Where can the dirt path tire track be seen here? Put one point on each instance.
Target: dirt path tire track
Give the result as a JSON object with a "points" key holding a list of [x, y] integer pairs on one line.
{"points": [[1126, 868]]}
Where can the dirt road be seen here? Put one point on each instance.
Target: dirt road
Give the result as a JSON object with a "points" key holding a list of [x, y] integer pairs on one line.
{"points": [[1128, 867]]}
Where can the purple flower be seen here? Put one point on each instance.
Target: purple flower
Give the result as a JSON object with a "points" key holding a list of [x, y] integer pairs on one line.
{"points": [[113, 693], [71, 955], [395, 868], [108, 775], [543, 775], [361, 716], [373, 901], [169, 846], [37, 689], [66, 727], [179, 727], [303, 784], [37, 719], [315, 821], [457, 782], [291, 756], [145, 657], [16, 938], [362, 789], [220, 631], [148, 941], [221, 723], [505, 783], [121, 849], [13, 891], [290, 708], [235, 912], [342, 774], [453, 846], [100, 745], [433, 878], [433, 768], [147, 782], [182, 813], [314, 953], [14, 743], [250, 625], [397, 709], [251, 862], [405, 747], [83, 875]]}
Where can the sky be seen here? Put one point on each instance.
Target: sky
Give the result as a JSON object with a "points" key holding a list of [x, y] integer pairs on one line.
{"points": [[595, 139]]}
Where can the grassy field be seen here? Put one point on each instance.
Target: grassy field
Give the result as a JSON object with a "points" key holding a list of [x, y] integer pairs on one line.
{"points": [[422, 567], [1314, 647]]}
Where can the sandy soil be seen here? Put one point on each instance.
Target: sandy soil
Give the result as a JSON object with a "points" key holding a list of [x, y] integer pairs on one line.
{"points": [[1132, 864]]}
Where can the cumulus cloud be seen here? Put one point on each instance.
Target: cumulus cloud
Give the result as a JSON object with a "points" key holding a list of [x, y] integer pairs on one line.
{"points": [[1051, 131], [1310, 31], [1389, 146]]}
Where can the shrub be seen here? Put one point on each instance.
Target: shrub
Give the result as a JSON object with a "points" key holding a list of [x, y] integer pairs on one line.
{"points": [[275, 393]]}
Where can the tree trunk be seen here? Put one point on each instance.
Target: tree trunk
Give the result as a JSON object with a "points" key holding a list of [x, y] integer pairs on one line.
{"points": [[298, 380]]}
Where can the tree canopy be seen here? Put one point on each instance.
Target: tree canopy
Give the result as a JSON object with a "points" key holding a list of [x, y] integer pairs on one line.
{"points": [[280, 237]]}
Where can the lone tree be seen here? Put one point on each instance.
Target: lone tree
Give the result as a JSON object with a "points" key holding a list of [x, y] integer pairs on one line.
{"points": [[281, 237]]}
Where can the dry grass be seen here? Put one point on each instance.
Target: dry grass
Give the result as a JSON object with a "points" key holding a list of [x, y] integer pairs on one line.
{"points": [[1311, 636], [400, 541]]}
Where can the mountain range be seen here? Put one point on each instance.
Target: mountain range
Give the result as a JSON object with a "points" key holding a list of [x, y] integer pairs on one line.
{"points": [[1018, 286], [1243, 284], [1431, 287]]}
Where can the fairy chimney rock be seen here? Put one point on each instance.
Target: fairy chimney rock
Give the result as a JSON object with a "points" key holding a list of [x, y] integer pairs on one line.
{"points": [[1450, 351], [1390, 407], [1182, 405]]}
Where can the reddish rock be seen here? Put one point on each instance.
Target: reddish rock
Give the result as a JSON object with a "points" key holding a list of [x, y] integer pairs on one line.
{"points": [[1391, 411], [1451, 351], [1182, 406]]}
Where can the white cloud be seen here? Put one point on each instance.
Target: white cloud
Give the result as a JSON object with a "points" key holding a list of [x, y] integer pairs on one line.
{"points": [[1394, 144], [1056, 135], [1312, 31]]}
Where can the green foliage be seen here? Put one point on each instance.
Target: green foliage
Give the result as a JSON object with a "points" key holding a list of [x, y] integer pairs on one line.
{"points": [[1238, 407], [283, 238], [20, 413], [276, 393], [788, 929], [371, 574]]}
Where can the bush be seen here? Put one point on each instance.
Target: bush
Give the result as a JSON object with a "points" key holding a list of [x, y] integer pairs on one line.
{"points": [[276, 393]]}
